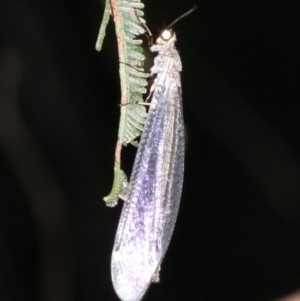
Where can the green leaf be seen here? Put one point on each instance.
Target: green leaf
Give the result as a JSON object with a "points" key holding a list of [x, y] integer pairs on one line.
{"points": [[105, 19], [119, 188], [128, 21]]}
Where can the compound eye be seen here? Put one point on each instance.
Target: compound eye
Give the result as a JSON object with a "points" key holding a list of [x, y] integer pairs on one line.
{"points": [[166, 35]]}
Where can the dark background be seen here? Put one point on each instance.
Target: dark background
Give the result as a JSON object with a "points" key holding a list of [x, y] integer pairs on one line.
{"points": [[237, 236]]}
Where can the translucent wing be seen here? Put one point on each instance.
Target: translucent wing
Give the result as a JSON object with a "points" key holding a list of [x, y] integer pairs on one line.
{"points": [[148, 217]]}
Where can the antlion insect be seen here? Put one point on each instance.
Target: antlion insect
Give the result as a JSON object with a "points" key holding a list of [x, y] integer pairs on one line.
{"points": [[150, 212]]}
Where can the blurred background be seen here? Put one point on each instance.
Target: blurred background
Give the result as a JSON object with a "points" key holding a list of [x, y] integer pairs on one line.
{"points": [[237, 236]]}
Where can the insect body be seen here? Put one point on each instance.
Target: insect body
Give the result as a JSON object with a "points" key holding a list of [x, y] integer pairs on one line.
{"points": [[150, 212]]}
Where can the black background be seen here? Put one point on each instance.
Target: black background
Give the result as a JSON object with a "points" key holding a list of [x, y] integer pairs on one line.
{"points": [[237, 236]]}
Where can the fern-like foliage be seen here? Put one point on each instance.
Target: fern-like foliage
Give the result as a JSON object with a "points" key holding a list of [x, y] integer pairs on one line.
{"points": [[128, 21]]}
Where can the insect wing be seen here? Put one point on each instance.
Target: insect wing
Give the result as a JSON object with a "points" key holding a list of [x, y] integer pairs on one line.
{"points": [[148, 217]]}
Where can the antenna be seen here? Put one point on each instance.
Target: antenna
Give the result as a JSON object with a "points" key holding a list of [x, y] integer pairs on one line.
{"points": [[183, 16]]}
